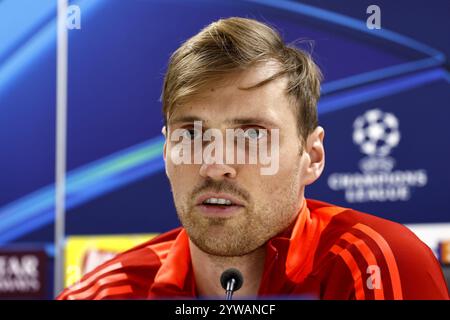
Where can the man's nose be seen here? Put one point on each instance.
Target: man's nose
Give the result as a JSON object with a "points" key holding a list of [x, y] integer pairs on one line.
{"points": [[216, 167], [217, 171]]}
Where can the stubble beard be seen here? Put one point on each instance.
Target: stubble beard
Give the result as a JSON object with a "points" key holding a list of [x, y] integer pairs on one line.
{"points": [[246, 231]]}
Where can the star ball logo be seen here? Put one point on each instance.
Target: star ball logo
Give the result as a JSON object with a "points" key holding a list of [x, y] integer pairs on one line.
{"points": [[376, 134]]}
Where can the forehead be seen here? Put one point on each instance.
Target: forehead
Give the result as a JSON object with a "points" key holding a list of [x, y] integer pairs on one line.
{"points": [[228, 99]]}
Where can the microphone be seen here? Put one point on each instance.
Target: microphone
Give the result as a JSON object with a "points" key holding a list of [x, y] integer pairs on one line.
{"points": [[231, 280]]}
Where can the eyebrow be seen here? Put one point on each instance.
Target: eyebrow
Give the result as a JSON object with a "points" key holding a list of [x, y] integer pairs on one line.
{"points": [[234, 121], [184, 119]]}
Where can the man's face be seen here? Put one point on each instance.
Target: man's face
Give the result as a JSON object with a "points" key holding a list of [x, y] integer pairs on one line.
{"points": [[261, 205]]}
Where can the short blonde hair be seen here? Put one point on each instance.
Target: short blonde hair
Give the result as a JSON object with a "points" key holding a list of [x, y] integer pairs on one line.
{"points": [[233, 44]]}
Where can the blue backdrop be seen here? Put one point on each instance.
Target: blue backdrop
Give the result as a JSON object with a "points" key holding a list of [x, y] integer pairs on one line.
{"points": [[116, 182]]}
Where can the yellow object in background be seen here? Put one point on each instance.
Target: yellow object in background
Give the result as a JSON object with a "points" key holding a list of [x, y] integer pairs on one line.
{"points": [[85, 253], [445, 252]]}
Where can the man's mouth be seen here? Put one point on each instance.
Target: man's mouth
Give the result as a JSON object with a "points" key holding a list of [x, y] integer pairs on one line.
{"points": [[219, 204]]}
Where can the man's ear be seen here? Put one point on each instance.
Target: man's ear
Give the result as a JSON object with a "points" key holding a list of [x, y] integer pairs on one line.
{"points": [[316, 153], [164, 132]]}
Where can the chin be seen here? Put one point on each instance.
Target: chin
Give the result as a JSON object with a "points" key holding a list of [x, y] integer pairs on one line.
{"points": [[222, 246]]}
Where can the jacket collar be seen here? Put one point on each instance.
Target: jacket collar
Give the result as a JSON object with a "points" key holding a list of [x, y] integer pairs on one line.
{"points": [[287, 259]]}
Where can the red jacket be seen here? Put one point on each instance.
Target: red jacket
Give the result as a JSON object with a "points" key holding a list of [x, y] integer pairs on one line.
{"points": [[328, 253]]}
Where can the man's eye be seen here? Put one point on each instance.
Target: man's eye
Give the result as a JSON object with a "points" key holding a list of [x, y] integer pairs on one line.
{"points": [[255, 133], [191, 133]]}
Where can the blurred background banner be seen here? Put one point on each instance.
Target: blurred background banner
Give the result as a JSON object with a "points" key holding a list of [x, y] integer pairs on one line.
{"points": [[84, 253], [384, 108], [23, 273]]}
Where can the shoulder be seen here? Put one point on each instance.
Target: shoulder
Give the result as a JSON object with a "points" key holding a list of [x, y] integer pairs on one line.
{"points": [[353, 225], [128, 275], [347, 226], [383, 257]]}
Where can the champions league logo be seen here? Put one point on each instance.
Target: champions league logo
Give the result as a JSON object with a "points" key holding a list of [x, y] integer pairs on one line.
{"points": [[377, 133]]}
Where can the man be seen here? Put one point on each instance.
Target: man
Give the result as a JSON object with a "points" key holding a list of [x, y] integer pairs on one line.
{"points": [[237, 74]]}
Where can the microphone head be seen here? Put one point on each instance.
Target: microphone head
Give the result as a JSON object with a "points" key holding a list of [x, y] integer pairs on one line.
{"points": [[229, 274]]}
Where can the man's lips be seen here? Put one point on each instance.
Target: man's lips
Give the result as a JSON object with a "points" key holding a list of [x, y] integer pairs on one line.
{"points": [[205, 196]]}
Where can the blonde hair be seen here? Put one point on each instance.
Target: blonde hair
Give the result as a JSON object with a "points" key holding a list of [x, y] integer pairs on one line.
{"points": [[233, 44]]}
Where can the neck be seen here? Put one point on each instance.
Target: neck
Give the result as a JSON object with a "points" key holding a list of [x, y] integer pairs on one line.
{"points": [[208, 269]]}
